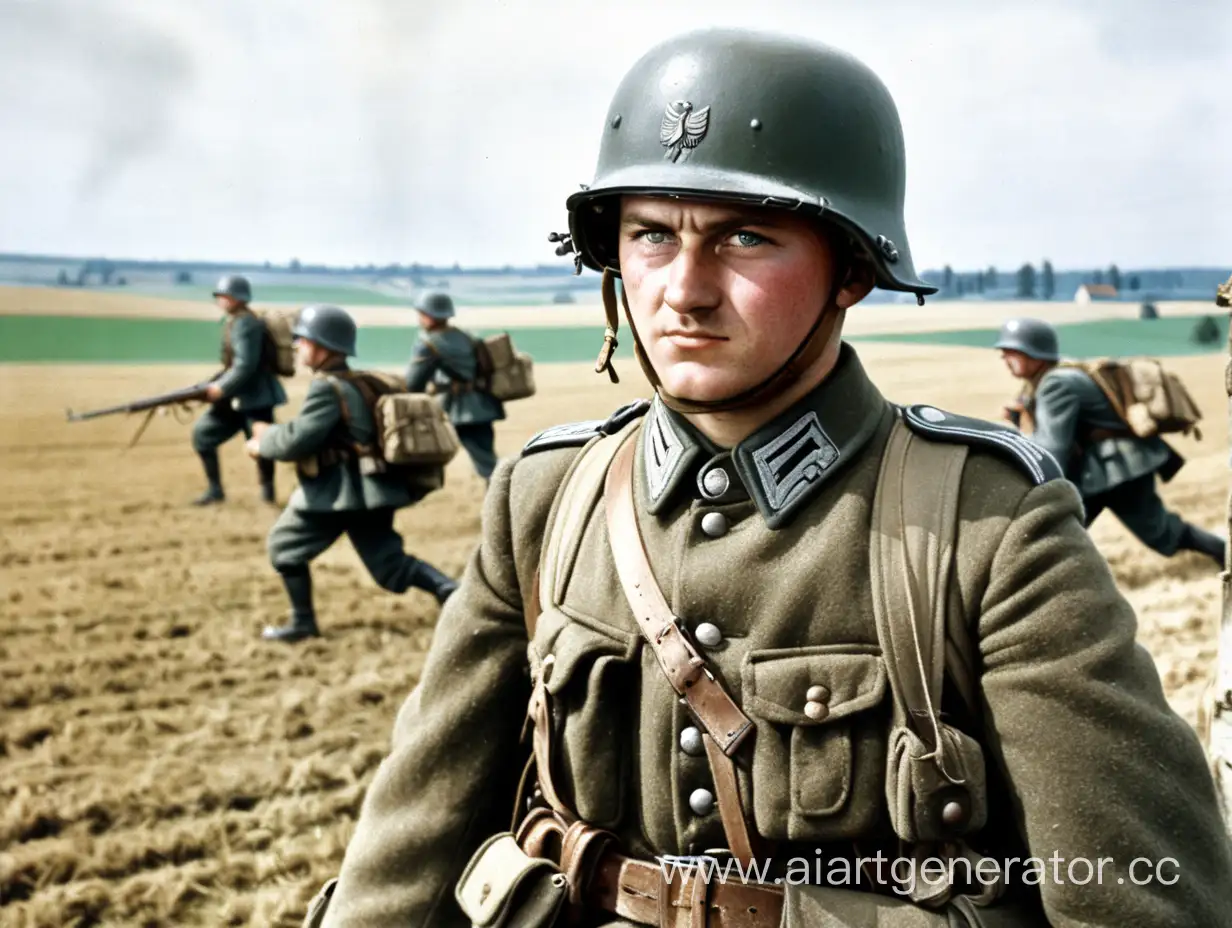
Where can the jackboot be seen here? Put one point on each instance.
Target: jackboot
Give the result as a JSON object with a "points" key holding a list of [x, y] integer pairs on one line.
{"points": [[431, 580], [1204, 542], [265, 469], [213, 474], [303, 622]]}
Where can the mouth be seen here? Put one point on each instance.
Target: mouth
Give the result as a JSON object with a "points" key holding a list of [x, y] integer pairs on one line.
{"points": [[683, 339]]}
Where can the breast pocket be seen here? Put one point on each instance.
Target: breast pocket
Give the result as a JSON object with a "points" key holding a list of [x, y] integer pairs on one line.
{"points": [[819, 756], [590, 681]]}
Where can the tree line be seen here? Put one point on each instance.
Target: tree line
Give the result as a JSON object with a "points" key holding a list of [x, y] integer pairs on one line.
{"points": [[1027, 282]]}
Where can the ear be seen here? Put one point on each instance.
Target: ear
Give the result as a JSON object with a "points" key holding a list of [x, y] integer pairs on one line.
{"points": [[856, 285]]}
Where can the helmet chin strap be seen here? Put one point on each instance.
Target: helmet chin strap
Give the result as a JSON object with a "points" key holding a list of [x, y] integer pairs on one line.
{"points": [[775, 385]]}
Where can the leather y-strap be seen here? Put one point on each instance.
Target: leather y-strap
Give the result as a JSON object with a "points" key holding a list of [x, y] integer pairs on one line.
{"points": [[726, 726], [684, 667], [911, 552]]}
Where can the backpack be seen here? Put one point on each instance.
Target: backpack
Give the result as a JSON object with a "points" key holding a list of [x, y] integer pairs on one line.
{"points": [[923, 637], [1149, 399], [503, 371], [412, 429], [279, 342]]}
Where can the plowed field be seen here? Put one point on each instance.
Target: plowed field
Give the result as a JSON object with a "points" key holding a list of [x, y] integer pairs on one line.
{"points": [[160, 765]]}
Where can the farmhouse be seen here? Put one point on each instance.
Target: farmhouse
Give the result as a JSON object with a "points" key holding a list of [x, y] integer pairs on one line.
{"points": [[1088, 293]]}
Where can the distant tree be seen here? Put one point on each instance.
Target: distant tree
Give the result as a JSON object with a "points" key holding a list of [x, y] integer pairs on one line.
{"points": [[121, 281], [267, 265], [1026, 282], [183, 277], [295, 265], [1114, 277], [1134, 282], [958, 286], [1048, 281], [947, 277], [1099, 276], [990, 278], [979, 283], [62, 278]]}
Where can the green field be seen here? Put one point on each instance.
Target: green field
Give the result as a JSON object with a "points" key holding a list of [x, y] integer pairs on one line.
{"points": [[1169, 336], [94, 339], [38, 339]]}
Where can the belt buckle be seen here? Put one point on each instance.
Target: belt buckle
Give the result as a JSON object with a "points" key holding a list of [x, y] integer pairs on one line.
{"points": [[693, 908]]}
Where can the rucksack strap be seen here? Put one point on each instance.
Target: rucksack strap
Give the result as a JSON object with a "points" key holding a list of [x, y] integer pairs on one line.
{"points": [[911, 552], [574, 502], [935, 784]]}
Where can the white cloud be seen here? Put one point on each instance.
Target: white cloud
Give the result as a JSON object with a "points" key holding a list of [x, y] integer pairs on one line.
{"points": [[377, 130]]}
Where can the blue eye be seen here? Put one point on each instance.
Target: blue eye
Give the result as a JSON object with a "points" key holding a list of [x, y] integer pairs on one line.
{"points": [[749, 239], [654, 237]]}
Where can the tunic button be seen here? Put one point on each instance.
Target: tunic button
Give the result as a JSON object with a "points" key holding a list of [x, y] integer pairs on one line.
{"points": [[691, 742], [817, 694], [708, 635], [714, 524], [816, 710], [701, 801], [715, 483]]}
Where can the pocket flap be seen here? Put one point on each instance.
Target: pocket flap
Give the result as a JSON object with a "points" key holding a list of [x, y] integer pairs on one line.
{"points": [[577, 645], [492, 876], [844, 678]]}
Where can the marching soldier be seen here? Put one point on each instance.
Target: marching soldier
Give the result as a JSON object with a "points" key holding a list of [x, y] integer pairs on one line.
{"points": [[245, 392], [1067, 414], [444, 361], [676, 604], [334, 497]]}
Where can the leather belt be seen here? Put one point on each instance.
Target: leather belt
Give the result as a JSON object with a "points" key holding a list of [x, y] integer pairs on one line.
{"points": [[601, 878], [637, 890]]}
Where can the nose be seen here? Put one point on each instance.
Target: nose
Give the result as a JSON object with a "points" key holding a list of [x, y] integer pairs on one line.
{"points": [[692, 284]]}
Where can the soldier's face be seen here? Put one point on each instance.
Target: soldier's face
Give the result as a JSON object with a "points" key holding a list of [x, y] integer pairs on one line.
{"points": [[722, 296], [1019, 364], [309, 354]]}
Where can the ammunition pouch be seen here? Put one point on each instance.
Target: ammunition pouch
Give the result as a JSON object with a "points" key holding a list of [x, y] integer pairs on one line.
{"points": [[505, 887], [936, 795]]}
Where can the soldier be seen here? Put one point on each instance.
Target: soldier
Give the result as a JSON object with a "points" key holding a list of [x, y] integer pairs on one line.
{"points": [[749, 192], [246, 391], [334, 496], [444, 361], [1067, 414]]}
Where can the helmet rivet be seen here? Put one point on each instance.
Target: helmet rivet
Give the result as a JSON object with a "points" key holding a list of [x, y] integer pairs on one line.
{"points": [[616, 121], [755, 124], [887, 249]]}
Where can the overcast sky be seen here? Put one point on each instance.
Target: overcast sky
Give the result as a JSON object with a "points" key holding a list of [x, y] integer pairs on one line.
{"points": [[357, 131]]}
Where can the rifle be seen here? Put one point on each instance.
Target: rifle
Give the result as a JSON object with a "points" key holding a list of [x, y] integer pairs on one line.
{"points": [[149, 405]]}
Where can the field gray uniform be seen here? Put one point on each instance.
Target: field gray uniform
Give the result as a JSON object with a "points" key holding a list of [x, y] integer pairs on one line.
{"points": [[445, 359], [1113, 469], [251, 390], [340, 499]]}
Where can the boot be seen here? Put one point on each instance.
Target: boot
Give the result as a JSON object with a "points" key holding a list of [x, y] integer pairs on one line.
{"points": [[266, 470], [1204, 542], [213, 493], [430, 579], [303, 622]]}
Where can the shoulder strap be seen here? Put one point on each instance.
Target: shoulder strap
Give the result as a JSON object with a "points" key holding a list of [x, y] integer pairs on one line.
{"points": [[911, 554], [333, 381]]}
